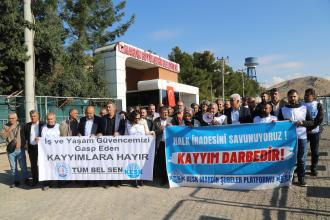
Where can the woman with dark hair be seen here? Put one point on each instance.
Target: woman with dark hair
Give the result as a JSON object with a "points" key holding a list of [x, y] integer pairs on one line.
{"points": [[134, 126]]}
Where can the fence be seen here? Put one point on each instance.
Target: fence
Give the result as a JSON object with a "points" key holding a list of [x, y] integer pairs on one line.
{"points": [[59, 105]]}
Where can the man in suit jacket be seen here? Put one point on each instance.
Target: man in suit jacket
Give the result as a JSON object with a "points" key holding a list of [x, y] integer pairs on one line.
{"points": [[111, 124], [237, 114], [32, 132], [88, 125], [159, 125]]}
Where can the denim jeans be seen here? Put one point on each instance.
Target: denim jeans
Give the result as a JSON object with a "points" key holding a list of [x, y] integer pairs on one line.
{"points": [[17, 156], [301, 158], [314, 140]]}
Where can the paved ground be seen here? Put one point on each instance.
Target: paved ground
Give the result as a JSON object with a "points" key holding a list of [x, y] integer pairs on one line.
{"points": [[153, 202]]}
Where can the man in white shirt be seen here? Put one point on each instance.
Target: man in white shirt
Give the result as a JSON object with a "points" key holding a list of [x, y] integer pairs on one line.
{"points": [[32, 131], [302, 119], [88, 125], [265, 116]]}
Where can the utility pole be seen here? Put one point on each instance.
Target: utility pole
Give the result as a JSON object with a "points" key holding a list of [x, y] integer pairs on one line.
{"points": [[29, 64], [223, 60], [242, 72]]}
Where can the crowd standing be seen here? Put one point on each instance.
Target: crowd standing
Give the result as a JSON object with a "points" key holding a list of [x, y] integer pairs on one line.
{"points": [[307, 115]]}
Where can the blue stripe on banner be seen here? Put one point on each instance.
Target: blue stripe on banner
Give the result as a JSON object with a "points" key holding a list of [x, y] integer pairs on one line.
{"points": [[246, 149]]}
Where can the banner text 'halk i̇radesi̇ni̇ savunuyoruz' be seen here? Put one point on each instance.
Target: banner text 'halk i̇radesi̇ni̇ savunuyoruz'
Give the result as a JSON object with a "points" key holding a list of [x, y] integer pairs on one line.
{"points": [[246, 156]]}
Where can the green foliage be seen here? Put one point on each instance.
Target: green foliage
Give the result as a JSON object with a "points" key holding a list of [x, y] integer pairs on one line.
{"points": [[12, 48], [66, 33], [203, 70]]}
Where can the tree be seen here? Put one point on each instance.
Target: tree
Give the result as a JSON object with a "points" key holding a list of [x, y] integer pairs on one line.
{"points": [[203, 71], [12, 48], [66, 33], [91, 23]]}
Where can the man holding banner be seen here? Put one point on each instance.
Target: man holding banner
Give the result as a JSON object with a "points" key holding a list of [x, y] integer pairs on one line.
{"points": [[299, 114], [159, 126]]}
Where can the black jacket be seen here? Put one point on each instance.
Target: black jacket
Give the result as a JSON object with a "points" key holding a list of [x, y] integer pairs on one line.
{"points": [[82, 125], [27, 130], [244, 115]]}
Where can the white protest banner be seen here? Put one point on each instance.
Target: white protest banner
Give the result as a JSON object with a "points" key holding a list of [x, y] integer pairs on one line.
{"points": [[96, 158]]}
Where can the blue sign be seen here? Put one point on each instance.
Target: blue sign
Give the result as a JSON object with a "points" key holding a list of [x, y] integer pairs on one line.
{"points": [[246, 156]]}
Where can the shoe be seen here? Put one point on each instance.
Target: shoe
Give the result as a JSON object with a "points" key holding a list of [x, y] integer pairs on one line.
{"points": [[106, 186], [27, 182], [17, 183], [135, 184], [140, 182], [45, 188], [12, 185], [302, 183], [314, 173]]}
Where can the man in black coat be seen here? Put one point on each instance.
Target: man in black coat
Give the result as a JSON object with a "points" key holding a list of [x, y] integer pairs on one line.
{"points": [[32, 132], [237, 114], [111, 124], [88, 125]]}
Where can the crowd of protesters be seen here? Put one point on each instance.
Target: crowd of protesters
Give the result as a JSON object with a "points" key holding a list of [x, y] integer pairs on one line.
{"points": [[306, 114]]}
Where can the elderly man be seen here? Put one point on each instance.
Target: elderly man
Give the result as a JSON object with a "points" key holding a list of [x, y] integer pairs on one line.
{"points": [[302, 119], [237, 114], [221, 106], [69, 127], [152, 114], [88, 125], [13, 132], [49, 130], [32, 132]]}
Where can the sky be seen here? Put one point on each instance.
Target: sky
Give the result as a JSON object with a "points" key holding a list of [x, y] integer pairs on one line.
{"points": [[290, 38]]}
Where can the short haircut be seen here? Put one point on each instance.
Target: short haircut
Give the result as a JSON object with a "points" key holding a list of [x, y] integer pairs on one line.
{"points": [[291, 91], [235, 96], [163, 108], [32, 112], [111, 102], [71, 110], [13, 113], [273, 90], [50, 114], [264, 93], [310, 91]]}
